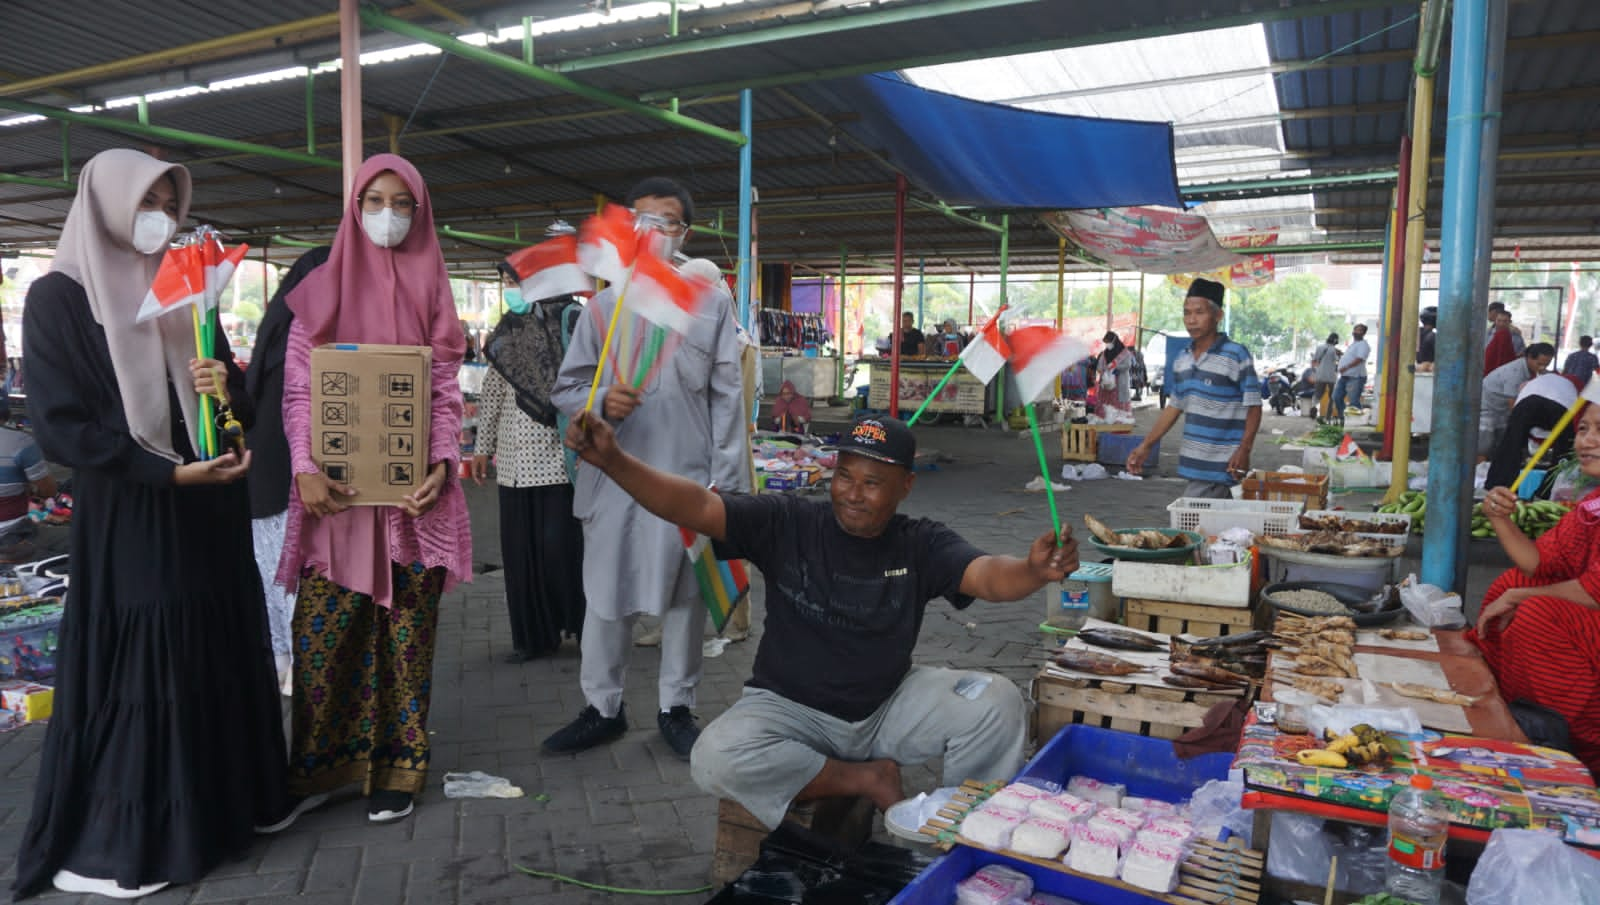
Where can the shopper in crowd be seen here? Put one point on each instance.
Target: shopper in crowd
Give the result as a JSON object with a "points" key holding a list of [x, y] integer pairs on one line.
{"points": [[791, 412], [1504, 342], [1114, 370], [834, 705], [688, 418], [1352, 372], [1581, 364], [1325, 365], [164, 750], [370, 577], [1215, 390], [270, 474], [541, 543], [1500, 391], [1426, 338], [1539, 405], [1539, 626], [912, 340]]}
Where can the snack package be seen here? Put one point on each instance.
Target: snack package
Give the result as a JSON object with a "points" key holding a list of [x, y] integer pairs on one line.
{"points": [[1042, 837], [991, 827], [994, 885]]}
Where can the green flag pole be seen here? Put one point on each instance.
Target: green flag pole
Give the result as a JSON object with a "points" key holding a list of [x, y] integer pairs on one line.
{"points": [[954, 367], [1044, 470]]}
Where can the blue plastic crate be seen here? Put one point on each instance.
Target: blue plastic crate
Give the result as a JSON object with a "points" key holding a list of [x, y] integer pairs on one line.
{"points": [[1114, 449], [1147, 766]]}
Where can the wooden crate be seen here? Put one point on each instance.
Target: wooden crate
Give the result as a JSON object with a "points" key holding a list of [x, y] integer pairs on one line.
{"points": [[1081, 442], [1141, 709], [739, 833], [1186, 618], [1292, 487]]}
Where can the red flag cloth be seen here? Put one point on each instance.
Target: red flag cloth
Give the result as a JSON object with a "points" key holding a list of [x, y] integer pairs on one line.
{"points": [[179, 282], [550, 269], [219, 264], [988, 351], [1039, 355], [660, 294], [1348, 449], [608, 244]]}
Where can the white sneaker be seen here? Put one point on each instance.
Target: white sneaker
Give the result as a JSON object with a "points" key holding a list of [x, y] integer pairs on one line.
{"points": [[67, 881], [308, 803]]}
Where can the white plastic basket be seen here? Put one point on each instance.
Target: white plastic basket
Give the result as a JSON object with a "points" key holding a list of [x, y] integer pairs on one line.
{"points": [[1391, 518], [1207, 516]]}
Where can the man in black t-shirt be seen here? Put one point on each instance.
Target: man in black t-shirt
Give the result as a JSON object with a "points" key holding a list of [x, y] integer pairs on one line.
{"points": [[911, 339], [834, 704]]}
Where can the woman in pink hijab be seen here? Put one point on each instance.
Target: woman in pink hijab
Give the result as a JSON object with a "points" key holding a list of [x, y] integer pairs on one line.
{"points": [[370, 577]]}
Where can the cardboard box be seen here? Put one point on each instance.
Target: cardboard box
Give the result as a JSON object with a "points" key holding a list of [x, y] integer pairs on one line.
{"points": [[31, 701], [370, 407]]}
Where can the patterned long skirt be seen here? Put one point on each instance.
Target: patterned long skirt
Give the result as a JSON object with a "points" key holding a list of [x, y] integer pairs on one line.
{"points": [[363, 676]]}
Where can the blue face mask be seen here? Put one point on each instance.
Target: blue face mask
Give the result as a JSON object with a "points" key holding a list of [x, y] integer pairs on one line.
{"points": [[514, 300]]}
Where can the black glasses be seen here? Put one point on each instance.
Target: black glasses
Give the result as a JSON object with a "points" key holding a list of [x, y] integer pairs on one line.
{"points": [[664, 225]]}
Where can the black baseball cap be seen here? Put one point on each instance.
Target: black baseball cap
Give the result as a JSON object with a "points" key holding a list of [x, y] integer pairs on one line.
{"points": [[884, 439]]}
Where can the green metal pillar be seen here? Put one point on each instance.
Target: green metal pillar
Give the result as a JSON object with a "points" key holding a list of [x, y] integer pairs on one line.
{"points": [[66, 153], [527, 40], [311, 112]]}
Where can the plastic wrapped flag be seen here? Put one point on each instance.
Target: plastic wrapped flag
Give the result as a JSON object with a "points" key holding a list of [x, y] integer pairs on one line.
{"points": [[1039, 355], [179, 283], [724, 584], [550, 269], [988, 351]]}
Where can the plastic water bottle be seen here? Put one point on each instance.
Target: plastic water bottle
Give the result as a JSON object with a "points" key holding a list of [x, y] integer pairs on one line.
{"points": [[1418, 824], [1067, 605]]}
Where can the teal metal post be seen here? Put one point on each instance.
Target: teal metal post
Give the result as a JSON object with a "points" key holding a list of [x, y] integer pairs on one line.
{"points": [[66, 152], [746, 175], [1459, 363]]}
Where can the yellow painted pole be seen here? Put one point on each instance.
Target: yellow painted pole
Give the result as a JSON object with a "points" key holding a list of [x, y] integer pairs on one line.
{"points": [[1416, 231]]}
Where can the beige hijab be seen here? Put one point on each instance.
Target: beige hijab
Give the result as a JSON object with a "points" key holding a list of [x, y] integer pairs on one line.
{"points": [[97, 251]]}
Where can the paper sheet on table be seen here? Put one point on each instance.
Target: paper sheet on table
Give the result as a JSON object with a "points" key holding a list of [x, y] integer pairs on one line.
{"points": [[1378, 669], [1159, 662], [1369, 637]]}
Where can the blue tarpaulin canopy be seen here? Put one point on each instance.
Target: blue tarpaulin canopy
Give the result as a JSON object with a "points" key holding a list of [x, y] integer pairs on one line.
{"points": [[985, 155]]}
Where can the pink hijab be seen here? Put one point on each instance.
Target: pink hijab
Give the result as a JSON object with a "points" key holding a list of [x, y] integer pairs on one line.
{"points": [[412, 273]]}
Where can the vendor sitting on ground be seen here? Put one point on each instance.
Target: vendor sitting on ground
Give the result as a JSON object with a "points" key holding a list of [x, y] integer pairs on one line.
{"points": [[835, 705], [1539, 628], [791, 412]]}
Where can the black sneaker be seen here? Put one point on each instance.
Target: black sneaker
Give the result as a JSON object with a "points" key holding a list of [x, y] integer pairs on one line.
{"points": [[678, 728], [387, 805], [588, 730]]}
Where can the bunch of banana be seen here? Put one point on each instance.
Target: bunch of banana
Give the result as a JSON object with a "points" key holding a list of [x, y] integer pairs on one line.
{"points": [[1361, 745], [1533, 518], [1413, 503]]}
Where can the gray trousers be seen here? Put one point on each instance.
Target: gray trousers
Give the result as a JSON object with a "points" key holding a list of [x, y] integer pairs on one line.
{"points": [[766, 748], [608, 643], [1209, 490]]}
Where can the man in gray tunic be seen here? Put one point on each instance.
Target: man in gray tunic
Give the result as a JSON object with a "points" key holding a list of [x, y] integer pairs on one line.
{"points": [[688, 419]]}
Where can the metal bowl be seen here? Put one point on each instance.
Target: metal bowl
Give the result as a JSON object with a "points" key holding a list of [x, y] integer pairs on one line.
{"points": [[1357, 601], [1170, 555]]}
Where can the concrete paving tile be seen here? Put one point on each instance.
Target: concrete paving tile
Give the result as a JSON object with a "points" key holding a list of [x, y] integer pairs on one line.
{"points": [[284, 884], [381, 884], [334, 869]]}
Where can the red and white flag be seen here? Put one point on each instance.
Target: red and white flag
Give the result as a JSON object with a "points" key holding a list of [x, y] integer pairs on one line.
{"points": [[1348, 449], [218, 263], [988, 351], [550, 269], [180, 282], [608, 244], [1039, 355], [661, 295]]}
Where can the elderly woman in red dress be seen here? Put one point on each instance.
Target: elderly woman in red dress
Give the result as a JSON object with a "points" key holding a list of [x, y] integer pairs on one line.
{"points": [[1540, 624]]}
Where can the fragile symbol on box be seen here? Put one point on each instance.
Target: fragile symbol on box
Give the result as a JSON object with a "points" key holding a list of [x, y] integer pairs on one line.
{"points": [[335, 443], [336, 413], [398, 414], [400, 385], [401, 473], [335, 383], [337, 471], [401, 444]]}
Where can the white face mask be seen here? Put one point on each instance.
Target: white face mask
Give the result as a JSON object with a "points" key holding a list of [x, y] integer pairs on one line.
{"points": [[152, 231], [385, 228]]}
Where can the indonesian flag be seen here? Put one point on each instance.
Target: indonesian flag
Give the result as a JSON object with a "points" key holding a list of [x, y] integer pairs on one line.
{"points": [[218, 264], [180, 282], [988, 351], [1039, 355], [608, 244], [550, 269], [661, 295], [723, 582], [1348, 449]]}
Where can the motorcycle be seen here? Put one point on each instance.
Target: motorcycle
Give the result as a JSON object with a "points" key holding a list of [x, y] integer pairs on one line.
{"points": [[1279, 390]]}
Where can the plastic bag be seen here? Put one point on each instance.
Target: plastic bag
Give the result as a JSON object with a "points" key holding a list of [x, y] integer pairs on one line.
{"points": [[1430, 606], [1215, 806], [1531, 866], [479, 785], [1094, 471], [1340, 717], [1302, 846]]}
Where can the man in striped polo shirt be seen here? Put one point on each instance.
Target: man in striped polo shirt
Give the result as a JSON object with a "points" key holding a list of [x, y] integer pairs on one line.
{"points": [[1214, 385]]}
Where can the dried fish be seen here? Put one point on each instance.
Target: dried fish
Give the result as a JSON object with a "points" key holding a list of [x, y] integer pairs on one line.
{"points": [[1405, 634], [1429, 693], [1326, 689], [1182, 681], [1118, 639], [1209, 673], [1246, 639], [1310, 665], [1101, 532], [1097, 663], [1294, 624]]}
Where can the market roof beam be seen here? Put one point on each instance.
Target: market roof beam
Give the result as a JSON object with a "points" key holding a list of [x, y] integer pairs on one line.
{"points": [[376, 19], [1329, 8]]}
